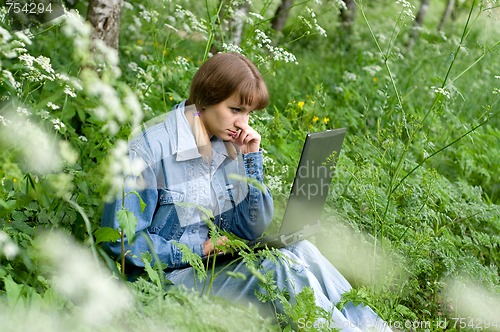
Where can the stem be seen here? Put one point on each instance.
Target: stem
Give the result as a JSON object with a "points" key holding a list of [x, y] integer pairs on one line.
{"points": [[477, 61], [391, 189], [122, 246], [211, 35], [122, 235], [443, 148], [79, 209]]}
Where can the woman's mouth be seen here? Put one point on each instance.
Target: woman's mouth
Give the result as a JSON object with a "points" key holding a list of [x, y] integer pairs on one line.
{"points": [[232, 133]]}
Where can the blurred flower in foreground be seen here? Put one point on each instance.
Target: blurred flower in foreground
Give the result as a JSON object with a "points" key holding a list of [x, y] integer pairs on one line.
{"points": [[96, 294], [35, 146], [473, 304], [358, 256], [8, 248]]}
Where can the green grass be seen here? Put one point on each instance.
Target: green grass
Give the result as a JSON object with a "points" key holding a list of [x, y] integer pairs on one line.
{"points": [[414, 204]]}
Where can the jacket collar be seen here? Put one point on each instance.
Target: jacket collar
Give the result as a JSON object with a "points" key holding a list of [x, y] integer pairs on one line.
{"points": [[184, 144]]}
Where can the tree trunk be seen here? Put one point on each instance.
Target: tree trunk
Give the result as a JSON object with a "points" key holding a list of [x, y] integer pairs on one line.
{"points": [[418, 23], [347, 15], [238, 22], [446, 14], [232, 23], [104, 15], [281, 15]]}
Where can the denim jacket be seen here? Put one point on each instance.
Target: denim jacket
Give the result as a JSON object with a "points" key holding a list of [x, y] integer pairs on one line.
{"points": [[178, 187]]}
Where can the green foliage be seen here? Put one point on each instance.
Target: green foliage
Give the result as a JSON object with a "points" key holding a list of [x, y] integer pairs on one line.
{"points": [[417, 176]]}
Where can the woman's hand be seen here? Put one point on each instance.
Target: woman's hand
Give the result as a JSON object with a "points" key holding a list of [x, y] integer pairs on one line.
{"points": [[247, 139], [209, 245]]}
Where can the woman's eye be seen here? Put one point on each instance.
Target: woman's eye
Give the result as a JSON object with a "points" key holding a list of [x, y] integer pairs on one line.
{"points": [[235, 109]]}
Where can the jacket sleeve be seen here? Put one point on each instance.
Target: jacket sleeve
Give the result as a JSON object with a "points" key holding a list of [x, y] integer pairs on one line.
{"points": [[144, 240], [254, 214]]}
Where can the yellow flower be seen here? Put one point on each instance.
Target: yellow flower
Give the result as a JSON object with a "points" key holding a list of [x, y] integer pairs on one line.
{"points": [[170, 98], [140, 42], [315, 119], [326, 120], [300, 104], [375, 79]]}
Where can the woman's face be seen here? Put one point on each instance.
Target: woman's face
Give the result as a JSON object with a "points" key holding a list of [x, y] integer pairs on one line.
{"points": [[227, 118]]}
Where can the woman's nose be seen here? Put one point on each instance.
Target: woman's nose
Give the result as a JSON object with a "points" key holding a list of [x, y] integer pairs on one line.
{"points": [[242, 122]]}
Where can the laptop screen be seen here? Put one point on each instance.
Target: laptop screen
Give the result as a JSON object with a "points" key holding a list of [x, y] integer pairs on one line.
{"points": [[311, 185]]}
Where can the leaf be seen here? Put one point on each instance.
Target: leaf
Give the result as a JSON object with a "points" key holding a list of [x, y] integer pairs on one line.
{"points": [[188, 256], [236, 275], [142, 204], [152, 274], [13, 290], [19, 216], [106, 234], [128, 223]]}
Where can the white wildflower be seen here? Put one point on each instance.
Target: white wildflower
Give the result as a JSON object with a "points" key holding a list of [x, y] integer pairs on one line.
{"points": [[76, 275], [10, 78], [8, 248], [44, 63], [133, 66], [314, 23], [182, 62], [231, 48], [76, 26], [190, 22], [407, 9], [62, 77], [44, 115], [69, 91], [67, 152], [83, 138], [146, 108], [256, 15], [58, 124], [53, 106], [22, 37], [35, 145], [4, 121], [170, 27], [349, 77], [3, 237], [6, 36], [341, 4], [22, 111], [28, 61], [120, 167], [277, 53], [372, 70], [127, 5], [441, 91]]}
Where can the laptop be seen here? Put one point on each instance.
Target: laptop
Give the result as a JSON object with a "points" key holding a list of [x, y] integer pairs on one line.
{"points": [[309, 191]]}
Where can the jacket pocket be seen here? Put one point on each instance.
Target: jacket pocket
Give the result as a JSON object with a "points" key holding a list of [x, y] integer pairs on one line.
{"points": [[165, 215]]}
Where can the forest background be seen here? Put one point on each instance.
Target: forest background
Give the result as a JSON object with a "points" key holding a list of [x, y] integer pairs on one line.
{"points": [[412, 219]]}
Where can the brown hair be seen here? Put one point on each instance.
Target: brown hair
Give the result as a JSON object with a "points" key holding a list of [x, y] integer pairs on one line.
{"points": [[224, 75]]}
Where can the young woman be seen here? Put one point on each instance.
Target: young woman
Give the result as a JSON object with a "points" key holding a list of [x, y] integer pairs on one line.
{"points": [[190, 161]]}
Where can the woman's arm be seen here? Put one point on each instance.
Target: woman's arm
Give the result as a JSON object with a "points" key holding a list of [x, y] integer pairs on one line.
{"points": [[167, 252], [253, 214]]}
